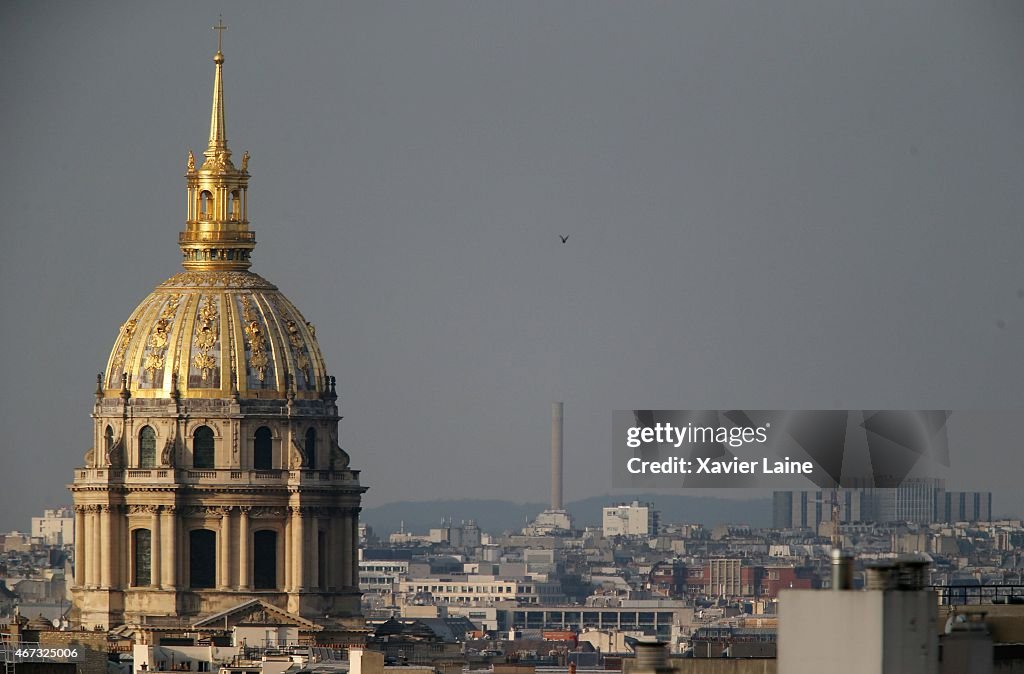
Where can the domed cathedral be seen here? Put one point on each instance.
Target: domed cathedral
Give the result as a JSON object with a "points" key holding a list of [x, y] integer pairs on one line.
{"points": [[215, 477]]}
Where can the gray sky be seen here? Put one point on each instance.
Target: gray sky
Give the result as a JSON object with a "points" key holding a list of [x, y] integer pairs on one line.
{"points": [[770, 205]]}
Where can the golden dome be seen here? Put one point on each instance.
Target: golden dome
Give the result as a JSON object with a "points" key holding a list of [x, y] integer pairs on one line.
{"points": [[216, 334], [216, 330]]}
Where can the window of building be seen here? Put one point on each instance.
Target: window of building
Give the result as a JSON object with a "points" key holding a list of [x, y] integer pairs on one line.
{"points": [[147, 448], [205, 205], [264, 562], [202, 448], [263, 449], [234, 206], [142, 552], [202, 558], [311, 447]]}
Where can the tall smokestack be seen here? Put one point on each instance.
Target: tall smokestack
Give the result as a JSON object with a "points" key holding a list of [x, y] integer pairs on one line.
{"points": [[556, 455]]}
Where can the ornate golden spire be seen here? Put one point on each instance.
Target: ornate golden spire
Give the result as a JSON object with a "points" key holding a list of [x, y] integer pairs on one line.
{"points": [[217, 232], [218, 129]]}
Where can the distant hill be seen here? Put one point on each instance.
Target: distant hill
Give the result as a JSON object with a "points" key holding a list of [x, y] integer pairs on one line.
{"points": [[496, 516]]}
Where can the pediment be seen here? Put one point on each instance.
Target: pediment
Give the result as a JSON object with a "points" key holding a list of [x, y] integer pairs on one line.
{"points": [[254, 612]]}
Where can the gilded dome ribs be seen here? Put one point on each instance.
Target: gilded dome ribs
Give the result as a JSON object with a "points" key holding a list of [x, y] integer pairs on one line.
{"points": [[153, 362], [255, 338], [207, 336]]}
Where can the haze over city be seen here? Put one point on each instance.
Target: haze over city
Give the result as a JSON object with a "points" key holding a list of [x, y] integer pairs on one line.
{"points": [[779, 206]]}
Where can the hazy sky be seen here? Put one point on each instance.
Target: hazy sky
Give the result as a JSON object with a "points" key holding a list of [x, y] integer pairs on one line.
{"points": [[770, 205]]}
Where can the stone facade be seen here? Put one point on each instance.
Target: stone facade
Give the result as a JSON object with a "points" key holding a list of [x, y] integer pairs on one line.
{"points": [[310, 512]]}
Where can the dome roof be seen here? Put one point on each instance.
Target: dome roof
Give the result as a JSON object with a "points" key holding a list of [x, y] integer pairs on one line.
{"points": [[216, 334], [216, 330]]}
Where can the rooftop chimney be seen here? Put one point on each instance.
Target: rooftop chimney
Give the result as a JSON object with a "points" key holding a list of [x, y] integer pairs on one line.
{"points": [[842, 570], [651, 657]]}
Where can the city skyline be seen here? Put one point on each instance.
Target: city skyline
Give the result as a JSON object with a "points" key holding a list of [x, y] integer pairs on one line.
{"points": [[759, 216]]}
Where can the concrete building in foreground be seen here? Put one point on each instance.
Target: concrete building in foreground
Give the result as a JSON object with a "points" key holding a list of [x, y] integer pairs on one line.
{"points": [[889, 628]]}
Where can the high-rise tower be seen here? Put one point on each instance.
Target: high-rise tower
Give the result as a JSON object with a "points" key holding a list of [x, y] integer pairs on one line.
{"points": [[215, 475]]}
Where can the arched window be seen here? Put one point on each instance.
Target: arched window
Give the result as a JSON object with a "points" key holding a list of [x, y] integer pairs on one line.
{"points": [[202, 558], [235, 207], [205, 205], [263, 449], [264, 560], [311, 447], [147, 448], [202, 448], [142, 556]]}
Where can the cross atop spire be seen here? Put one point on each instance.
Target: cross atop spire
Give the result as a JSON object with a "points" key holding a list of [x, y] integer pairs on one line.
{"points": [[220, 28]]}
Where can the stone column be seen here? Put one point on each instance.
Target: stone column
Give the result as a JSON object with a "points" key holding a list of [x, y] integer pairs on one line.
{"points": [[119, 543], [333, 552], [92, 547], [355, 548], [346, 550], [170, 548], [80, 546], [338, 561], [244, 563], [224, 582], [314, 552], [298, 538], [155, 556], [107, 545], [94, 541], [286, 547]]}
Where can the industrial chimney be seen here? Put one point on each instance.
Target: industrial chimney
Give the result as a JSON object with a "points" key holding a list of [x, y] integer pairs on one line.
{"points": [[556, 455]]}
